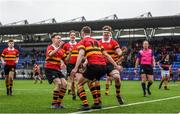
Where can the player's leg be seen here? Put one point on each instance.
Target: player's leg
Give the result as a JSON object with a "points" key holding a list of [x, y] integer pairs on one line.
{"points": [[167, 75], [107, 84], [55, 102], [81, 91], [39, 77], [109, 69], [99, 71], [35, 79], [73, 88], [54, 76], [7, 84], [116, 75], [69, 83], [62, 91], [150, 82], [11, 76], [7, 70], [93, 89], [162, 79], [98, 88], [143, 83], [149, 73]]}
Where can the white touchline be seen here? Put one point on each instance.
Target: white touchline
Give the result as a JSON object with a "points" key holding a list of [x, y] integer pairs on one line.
{"points": [[131, 104], [29, 89]]}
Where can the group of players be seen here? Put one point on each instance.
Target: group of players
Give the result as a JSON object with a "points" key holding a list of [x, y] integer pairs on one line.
{"points": [[86, 61]]}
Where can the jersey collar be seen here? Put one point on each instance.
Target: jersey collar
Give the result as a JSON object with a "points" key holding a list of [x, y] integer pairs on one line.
{"points": [[10, 48], [103, 41], [87, 36], [54, 46], [73, 43]]}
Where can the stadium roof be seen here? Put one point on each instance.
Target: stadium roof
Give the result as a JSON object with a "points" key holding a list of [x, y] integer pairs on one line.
{"points": [[132, 23]]}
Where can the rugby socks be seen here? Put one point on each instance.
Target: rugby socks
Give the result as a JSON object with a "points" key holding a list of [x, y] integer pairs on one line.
{"points": [[143, 84], [61, 95], [82, 95], [93, 90], [55, 97], [149, 84], [148, 87], [7, 86], [73, 91], [117, 86], [117, 90], [10, 86], [107, 89], [160, 85], [98, 88], [7, 83]]}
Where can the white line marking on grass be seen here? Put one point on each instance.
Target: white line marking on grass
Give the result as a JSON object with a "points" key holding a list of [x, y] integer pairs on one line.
{"points": [[173, 85], [131, 104], [28, 89]]}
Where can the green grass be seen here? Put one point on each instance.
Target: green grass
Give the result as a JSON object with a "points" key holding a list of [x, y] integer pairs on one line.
{"points": [[36, 98]]}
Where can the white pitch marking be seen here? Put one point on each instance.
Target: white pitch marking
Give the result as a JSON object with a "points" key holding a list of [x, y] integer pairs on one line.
{"points": [[131, 104]]}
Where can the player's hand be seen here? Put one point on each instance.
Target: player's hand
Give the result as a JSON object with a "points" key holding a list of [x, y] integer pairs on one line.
{"points": [[16, 62], [119, 68], [70, 49], [63, 66], [4, 63], [61, 44]]}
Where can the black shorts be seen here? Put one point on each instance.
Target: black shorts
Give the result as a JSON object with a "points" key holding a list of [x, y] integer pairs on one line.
{"points": [[146, 69], [36, 73], [94, 71], [52, 74], [69, 68], [8, 68], [109, 68]]}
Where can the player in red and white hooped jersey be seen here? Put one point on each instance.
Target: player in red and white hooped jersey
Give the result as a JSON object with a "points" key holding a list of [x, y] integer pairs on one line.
{"points": [[72, 53], [113, 49], [37, 73], [54, 56], [9, 58], [96, 67]]}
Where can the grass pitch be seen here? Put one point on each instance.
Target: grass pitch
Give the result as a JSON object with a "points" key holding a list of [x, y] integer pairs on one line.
{"points": [[36, 98]]}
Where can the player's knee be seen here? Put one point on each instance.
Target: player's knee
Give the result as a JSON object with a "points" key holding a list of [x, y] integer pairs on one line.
{"points": [[116, 76], [64, 84], [143, 80], [150, 81], [11, 73], [81, 83], [114, 72]]}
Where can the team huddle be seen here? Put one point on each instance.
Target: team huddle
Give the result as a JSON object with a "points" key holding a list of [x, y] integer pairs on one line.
{"points": [[87, 61]]}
